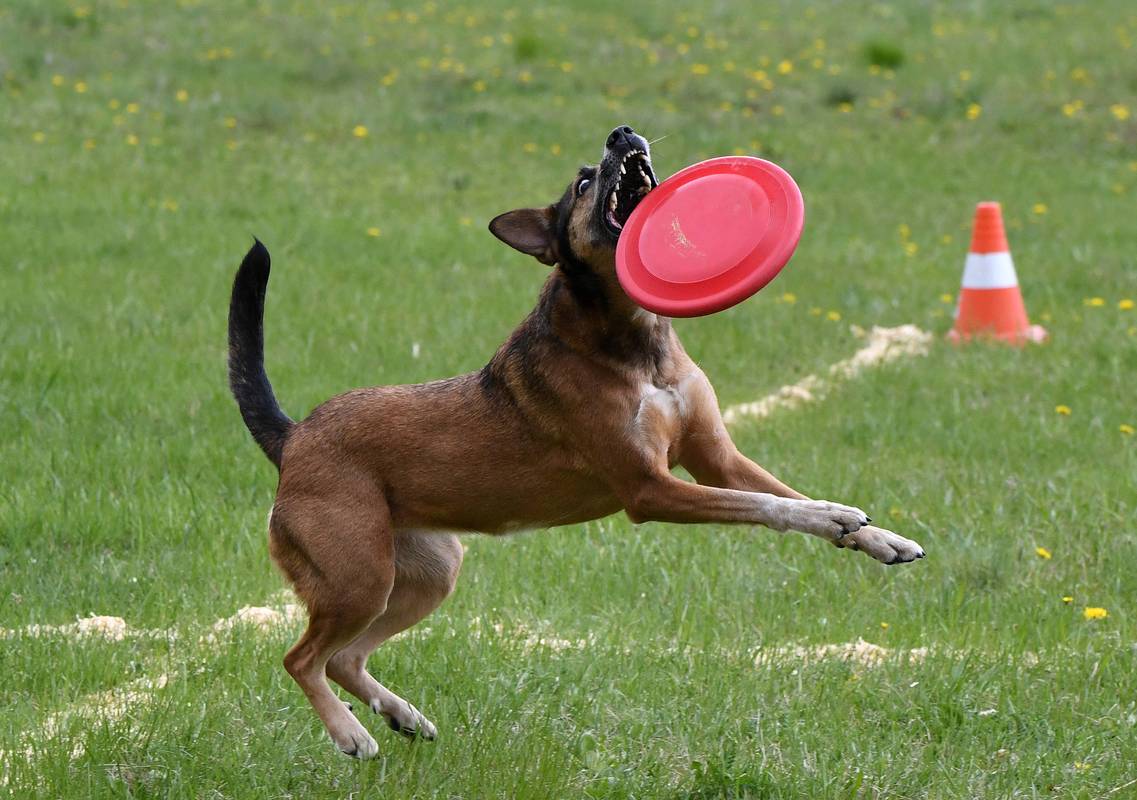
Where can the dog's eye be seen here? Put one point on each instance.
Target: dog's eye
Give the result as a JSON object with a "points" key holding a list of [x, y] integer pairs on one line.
{"points": [[582, 186]]}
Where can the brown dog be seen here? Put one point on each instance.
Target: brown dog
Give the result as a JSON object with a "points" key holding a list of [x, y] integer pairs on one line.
{"points": [[583, 412]]}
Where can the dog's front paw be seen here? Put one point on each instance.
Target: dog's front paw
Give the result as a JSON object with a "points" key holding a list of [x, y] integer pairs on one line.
{"points": [[885, 546], [830, 521]]}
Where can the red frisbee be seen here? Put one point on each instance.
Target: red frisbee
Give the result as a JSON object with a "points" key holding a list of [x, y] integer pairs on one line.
{"points": [[710, 236]]}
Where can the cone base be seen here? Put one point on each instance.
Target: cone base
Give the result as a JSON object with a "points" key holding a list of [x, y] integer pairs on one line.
{"points": [[1033, 334]]}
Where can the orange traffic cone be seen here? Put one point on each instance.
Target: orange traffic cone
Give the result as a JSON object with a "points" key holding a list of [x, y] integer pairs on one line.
{"points": [[990, 303]]}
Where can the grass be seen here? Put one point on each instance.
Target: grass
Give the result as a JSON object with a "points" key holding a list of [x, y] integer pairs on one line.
{"points": [[144, 145]]}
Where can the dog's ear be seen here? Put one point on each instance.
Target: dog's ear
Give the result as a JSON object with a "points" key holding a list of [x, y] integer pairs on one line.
{"points": [[530, 230]]}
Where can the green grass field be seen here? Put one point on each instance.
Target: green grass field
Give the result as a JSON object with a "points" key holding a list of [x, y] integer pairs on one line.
{"points": [[145, 143]]}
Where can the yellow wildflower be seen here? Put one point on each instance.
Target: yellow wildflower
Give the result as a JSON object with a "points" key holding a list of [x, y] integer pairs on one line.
{"points": [[946, 298], [788, 297], [1126, 428], [57, 80], [1067, 599], [132, 108], [1125, 304], [81, 87], [1119, 111], [479, 86], [1039, 209], [1043, 553], [1094, 302], [529, 147], [181, 96], [910, 248], [1092, 612], [833, 316], [845, 108], [815, 311], [170, 204], [884, 626], [974, 110], [373, 232], [785, 66], [1063, 410], [131, 140], [700, 69], [39, 137], [359, 131]]}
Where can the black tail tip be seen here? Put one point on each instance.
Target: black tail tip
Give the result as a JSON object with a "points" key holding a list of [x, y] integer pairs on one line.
{"points": [[258, 250], [257, 259]]}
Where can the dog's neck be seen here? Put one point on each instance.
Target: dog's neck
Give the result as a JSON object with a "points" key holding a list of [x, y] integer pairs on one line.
{"points": [[593, 316]]}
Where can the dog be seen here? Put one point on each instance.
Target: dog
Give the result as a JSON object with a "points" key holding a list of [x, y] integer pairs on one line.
{"points": [[583, 412]]}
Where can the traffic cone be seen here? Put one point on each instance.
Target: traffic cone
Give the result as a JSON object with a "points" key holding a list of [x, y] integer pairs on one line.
{"points": [[990, 303]]}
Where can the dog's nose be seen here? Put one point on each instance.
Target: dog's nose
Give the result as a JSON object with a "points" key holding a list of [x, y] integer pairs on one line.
{"points": [[622, 134]]}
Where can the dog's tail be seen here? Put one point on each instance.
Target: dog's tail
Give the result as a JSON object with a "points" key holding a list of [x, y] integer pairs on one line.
{"points": [[247, 379]]}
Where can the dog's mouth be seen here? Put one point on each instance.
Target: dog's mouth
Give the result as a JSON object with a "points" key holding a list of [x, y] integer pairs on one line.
{"points": [[633, 178]]}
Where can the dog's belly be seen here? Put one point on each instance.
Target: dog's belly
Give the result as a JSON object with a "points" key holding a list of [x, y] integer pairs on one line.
{"points": [[504, 496]]}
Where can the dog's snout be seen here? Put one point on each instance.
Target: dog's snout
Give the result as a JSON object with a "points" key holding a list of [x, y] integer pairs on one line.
{"points": [[624, 133]]}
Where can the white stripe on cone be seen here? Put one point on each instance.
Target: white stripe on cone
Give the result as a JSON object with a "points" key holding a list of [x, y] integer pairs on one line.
{"points": [[989, 271]]}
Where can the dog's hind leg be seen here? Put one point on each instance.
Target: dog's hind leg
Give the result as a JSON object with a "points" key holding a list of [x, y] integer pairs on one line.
{"points": [[426, 568], [340, 556]]}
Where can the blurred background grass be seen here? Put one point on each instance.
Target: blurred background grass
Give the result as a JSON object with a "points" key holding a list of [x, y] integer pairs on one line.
{"points": [[368, 145]]}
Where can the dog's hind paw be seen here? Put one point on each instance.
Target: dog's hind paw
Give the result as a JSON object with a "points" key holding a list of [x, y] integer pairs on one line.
{"points": [[357, 743], [404, 718], [885, 546]]}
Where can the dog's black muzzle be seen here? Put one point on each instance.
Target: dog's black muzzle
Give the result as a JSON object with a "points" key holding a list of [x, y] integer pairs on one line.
{"points": [[626, 177]]}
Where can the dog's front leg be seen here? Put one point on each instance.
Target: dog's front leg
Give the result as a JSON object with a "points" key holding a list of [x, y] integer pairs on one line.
{"points": [[711, 457], [665, 498], [733, 470]]}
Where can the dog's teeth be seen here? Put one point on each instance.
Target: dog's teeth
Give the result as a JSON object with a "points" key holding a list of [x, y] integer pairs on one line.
{"points": [[622, 170]]}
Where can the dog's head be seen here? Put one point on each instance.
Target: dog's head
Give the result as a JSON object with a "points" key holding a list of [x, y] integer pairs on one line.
{"points": [[579, 231]]}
